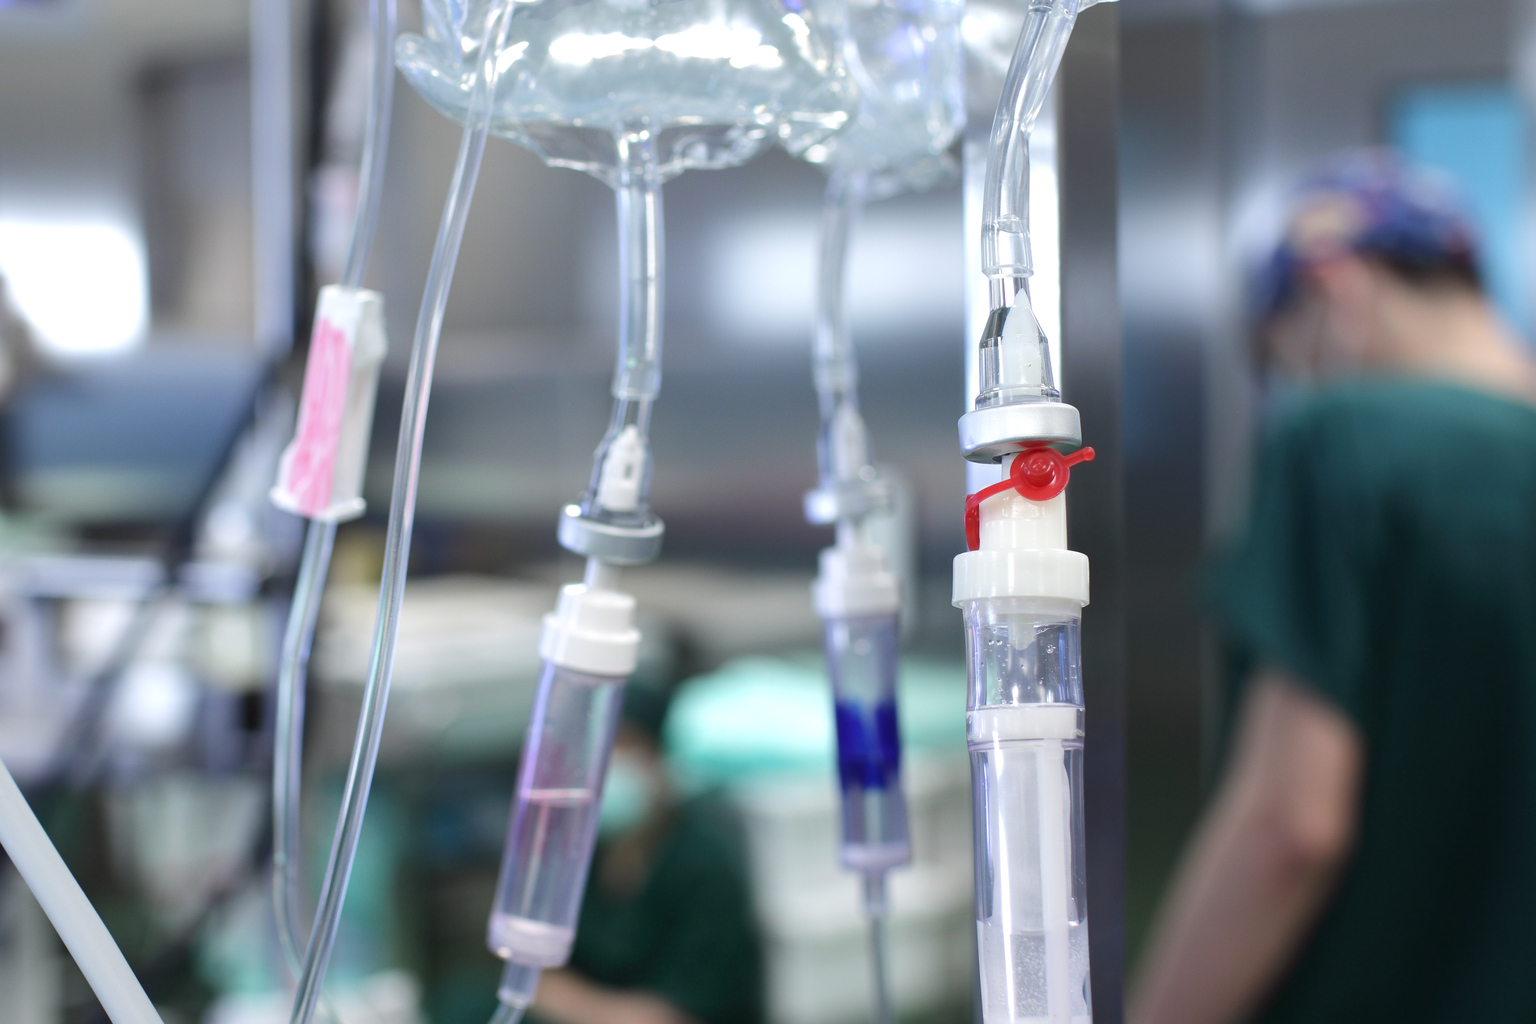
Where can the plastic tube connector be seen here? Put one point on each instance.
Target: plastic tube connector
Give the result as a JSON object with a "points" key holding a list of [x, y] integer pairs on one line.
{"points": [[855, 581], [1039, 474], [320, 474], [1018, 544], [623, 471], [592, 631]]}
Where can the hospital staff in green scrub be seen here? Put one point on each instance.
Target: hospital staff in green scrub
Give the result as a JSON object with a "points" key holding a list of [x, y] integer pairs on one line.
{"points": [[1370, 851]]}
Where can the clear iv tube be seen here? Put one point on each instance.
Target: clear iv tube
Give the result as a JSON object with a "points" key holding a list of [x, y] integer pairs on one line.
{"points": [[381, 92], [1005, 252], [402, 511], [842, 450], [287, 770], [287, 755], [637, 371], [879, 945]]}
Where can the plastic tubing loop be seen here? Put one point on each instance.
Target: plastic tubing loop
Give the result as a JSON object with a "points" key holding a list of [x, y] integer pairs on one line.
{"points": [[288, 746], [834, 365], [402, 513], [72, 915], [1005, 254], [299, 634]]}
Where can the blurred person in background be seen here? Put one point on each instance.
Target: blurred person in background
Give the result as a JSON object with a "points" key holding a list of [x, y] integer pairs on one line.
{"points": [[667, 933], [1370, 851]]}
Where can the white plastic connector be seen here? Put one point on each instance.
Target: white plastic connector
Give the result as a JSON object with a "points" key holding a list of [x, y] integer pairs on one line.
{"points": [[321, 472], [850, 443], [1023, 553], [855, 581], [1022, 341], [618, 485], [591, 631]]}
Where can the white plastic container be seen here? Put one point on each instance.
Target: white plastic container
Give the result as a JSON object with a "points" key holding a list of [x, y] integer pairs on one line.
{"points": [[1022, 594]]}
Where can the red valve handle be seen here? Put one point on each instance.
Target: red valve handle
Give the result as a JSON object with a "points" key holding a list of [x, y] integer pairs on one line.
{"points": [[1039, 474]]}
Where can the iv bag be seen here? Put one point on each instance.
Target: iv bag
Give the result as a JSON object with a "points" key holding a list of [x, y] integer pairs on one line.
{"points": [[906, 57], [713, 82]]}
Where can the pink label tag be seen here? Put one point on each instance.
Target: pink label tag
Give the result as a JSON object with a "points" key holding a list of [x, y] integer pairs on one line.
{"points": [[311, 470]]}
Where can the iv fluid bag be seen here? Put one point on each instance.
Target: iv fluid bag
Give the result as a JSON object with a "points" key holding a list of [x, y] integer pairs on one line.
{"points": [[712, 81], [907, 59]]}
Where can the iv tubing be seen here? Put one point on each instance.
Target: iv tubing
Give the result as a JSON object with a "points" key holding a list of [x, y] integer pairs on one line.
{"points": [[299, 634], [402, 513], [507, 1014], [842, 450], [637, 371], [879, 945], [1005, 255], [381, 92], [288, 743], [72, 915]]}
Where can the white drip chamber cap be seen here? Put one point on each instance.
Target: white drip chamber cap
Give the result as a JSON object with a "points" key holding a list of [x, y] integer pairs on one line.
{"points": [[591, 631], [855, 581]]}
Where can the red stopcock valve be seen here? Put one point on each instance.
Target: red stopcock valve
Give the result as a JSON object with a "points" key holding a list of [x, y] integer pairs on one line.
{"points": [[1039, 474]]}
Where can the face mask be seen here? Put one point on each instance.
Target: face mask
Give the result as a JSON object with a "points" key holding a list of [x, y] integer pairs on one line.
{"points": [[627, 795]]}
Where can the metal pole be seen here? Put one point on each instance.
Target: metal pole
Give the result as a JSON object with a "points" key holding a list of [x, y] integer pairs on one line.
{"points": [[1087, 133], [273, 207]]}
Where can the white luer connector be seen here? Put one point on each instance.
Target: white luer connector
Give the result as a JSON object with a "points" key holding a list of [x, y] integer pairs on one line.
{"points": [[855, 581], [320, 474], [591, 630], [1023, 553], [618, 484]]}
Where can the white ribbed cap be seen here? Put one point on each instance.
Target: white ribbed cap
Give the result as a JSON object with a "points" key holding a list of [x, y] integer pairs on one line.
{"points": [[855, 581], [1053, 574], [591, 631]]}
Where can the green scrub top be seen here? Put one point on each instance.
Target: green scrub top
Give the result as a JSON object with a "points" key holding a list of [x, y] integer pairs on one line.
{"points": [[1390, 562], [689, 934]]}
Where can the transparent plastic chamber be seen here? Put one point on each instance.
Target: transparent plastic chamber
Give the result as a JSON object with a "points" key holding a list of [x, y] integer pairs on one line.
{"points": [[555, 816], [1025, 734], [861, 659]]}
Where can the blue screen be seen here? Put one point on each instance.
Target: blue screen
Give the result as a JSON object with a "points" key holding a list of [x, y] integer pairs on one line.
{"points": [[1477, 134]]}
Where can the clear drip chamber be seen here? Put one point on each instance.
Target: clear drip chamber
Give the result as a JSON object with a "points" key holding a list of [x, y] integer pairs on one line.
{"points": [[1024, 729]]}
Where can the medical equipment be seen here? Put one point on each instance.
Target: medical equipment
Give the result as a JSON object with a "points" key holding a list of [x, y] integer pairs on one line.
{"points": [[482, 84], [907, 61], [320, 475], [633, 94], [71, 912], [1022, 593]]}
